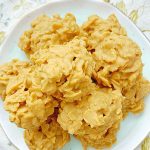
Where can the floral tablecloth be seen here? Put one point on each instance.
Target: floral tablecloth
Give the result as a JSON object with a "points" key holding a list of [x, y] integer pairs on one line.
{"points": [[11, 10]]}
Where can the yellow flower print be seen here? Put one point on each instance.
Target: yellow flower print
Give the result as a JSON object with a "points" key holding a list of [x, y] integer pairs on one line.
{"points": [[121, 5], [145, 30], [146, 144], [134, 15], [2, 35], [106, 1], [21, 3]]}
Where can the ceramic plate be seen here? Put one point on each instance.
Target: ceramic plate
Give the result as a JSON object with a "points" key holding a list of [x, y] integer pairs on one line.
{"points": [[135, 127]]}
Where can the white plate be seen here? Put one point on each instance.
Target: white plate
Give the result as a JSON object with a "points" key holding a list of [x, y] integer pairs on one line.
{"points": [[135, 127]]}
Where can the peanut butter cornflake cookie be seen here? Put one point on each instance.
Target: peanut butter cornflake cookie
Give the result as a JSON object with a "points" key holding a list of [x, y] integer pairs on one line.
{"points": [[79, 80], [49, 136]]}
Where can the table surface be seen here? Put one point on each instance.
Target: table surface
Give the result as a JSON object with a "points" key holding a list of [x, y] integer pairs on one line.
{"points": [[11, 10]]}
